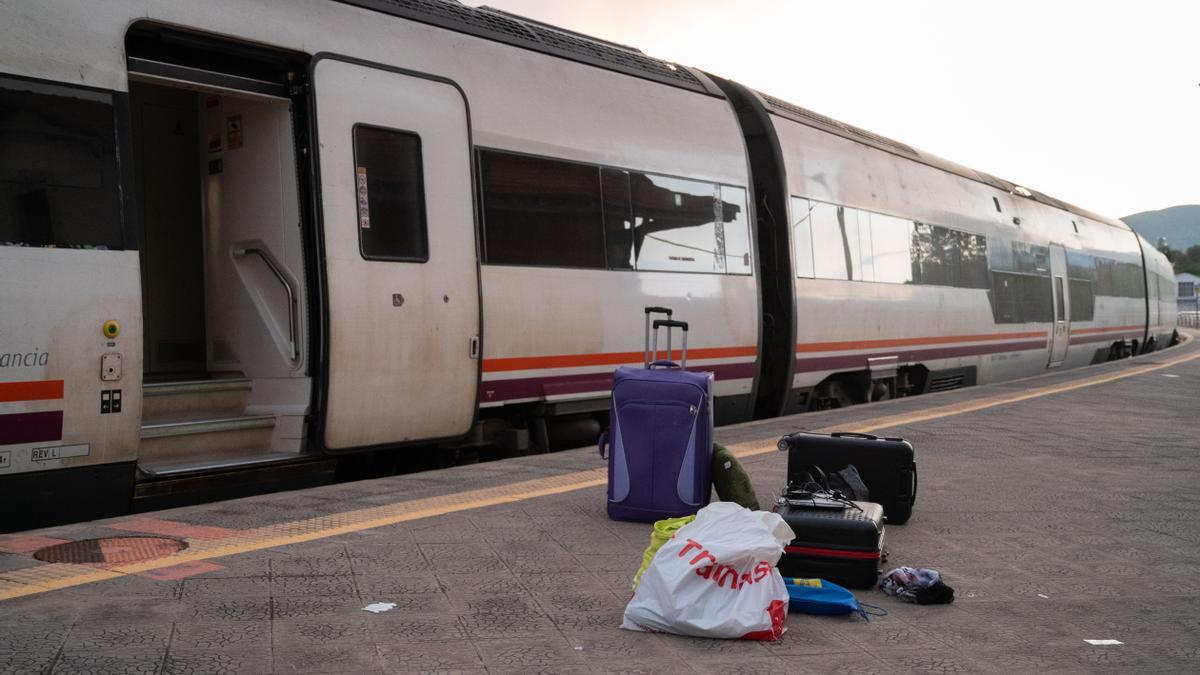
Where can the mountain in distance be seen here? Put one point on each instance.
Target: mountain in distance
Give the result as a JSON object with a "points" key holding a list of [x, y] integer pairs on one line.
{"points": [[1179, 224]]}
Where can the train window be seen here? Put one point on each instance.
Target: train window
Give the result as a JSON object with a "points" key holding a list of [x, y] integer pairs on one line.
{"points": [[618, 218], [391, 195], [891, 248], [1021, 298], [541, 211], [1083, 300], [934, 255], [59, 176], [681, 225], [1119, 279], [802, 235], [973, 263], [834, 239], [1059, 314]]}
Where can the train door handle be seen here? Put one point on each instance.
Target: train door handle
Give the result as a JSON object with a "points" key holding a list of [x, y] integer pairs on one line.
{"points": [[473, 349]]}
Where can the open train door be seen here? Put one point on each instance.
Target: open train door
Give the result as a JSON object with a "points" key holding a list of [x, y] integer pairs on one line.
{"points": [[1060, 334], [401, 268]]}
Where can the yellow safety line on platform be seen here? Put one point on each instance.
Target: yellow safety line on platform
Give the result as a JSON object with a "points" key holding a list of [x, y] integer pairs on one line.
{"points": [[31, 581]]}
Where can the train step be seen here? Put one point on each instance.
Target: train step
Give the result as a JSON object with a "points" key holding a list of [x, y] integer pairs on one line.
{"points": [[231, 462], [180, 399], [219, 439]]}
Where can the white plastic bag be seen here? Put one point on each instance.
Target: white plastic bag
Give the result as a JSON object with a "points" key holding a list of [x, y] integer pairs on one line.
{"points": [[716, 578]]}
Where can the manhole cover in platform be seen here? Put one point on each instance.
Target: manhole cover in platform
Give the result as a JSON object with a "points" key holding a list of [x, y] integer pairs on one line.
{"points": [[110, 550]]}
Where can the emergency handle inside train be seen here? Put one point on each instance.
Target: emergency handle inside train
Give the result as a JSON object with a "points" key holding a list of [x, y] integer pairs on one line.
{"points": [[252, 249]]}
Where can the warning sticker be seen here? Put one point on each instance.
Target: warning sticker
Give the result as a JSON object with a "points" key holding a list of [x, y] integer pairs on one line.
{"points": [[233, 132], [364, 209]]}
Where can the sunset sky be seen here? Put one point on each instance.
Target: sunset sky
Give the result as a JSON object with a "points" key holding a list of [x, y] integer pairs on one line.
{"points": [[1096, 103]]}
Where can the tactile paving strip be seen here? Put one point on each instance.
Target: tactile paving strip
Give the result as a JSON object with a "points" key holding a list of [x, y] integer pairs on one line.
{"points": [[45, 578]]}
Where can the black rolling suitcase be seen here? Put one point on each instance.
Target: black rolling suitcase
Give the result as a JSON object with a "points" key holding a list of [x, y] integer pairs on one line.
{"points": [[843, 545], [885, 464]]}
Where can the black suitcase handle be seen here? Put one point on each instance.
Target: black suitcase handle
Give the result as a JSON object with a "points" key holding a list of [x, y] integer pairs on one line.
{"points": [[853, 434], [659, 310]]}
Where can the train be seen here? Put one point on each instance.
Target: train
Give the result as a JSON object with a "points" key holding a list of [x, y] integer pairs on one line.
{"points": [[242, 241]]}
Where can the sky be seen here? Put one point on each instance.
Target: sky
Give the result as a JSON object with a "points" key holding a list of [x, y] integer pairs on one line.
{"points": [[1095, 103]]}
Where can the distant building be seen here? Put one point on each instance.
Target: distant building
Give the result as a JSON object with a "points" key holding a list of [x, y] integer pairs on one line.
{"points": [[1187, 298]]}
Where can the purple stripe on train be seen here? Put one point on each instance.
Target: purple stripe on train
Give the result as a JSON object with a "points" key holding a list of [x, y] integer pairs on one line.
{"points": [[35, 427]]}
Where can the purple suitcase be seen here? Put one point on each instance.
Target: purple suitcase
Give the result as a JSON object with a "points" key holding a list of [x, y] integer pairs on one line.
{"points": [[660, 435]]}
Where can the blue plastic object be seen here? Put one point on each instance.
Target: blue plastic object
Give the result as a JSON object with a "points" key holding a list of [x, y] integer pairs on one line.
{"points": [[818, 596]]}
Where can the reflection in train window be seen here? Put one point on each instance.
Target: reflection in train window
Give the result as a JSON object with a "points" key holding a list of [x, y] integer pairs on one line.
{"points": [[680, 226], [58, 167], [547, 212], [541, 212], [736, 230], [802, 235], [891, 239], [618, 218], [391, 195], [834, 228]]}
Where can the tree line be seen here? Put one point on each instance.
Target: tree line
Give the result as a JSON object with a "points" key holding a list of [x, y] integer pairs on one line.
{"points": [[1184, 261]]}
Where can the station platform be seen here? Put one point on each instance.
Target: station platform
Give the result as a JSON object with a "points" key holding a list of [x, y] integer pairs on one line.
{"points": [[1061, 508]]}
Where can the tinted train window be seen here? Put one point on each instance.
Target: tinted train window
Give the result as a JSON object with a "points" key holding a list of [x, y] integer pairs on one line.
{"points": [[541, 212], [1059, 313], [391, 195], [1021, 298], [1119, 279], [618, 218], [59, 183], [685, 226], [1083, 300]]}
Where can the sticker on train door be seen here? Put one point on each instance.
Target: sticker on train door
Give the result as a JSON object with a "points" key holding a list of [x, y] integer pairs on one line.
{"points": [[364, 209], [233, 132]]}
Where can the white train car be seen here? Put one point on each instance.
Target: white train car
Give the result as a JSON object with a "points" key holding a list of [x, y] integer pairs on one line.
{"points": [[242, 239], [914, 274]]}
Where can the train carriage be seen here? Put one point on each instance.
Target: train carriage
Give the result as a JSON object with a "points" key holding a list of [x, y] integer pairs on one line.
{"points": [[241, 241]]}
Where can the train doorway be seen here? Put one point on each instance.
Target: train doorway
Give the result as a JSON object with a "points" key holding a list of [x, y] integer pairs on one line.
{"points": [[224, 285], [1060, 334]]}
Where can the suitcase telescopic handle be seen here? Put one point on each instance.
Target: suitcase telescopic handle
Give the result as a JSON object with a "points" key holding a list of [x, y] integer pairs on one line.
{"points": [[669, 324], [646, 343]]}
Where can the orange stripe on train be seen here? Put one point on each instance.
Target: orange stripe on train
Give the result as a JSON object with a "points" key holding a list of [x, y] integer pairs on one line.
{"points": [[38, 390]]}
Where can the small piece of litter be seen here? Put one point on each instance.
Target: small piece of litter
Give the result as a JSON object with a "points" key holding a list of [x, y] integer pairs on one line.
{"points": [[1040, 595], [1169, 375], [579, 649], [377, 607], [1104, 642]]}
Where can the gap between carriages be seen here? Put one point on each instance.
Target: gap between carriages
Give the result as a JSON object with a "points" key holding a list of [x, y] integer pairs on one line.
{"points": [[46, 578]]}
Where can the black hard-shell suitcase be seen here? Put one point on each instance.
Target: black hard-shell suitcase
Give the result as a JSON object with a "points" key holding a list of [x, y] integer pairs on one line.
{"points": [[844, 546], [885, 464]]}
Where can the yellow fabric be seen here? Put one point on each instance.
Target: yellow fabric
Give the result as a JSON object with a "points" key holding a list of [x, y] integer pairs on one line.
{"points": [[661, 534], [815, 583]]}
